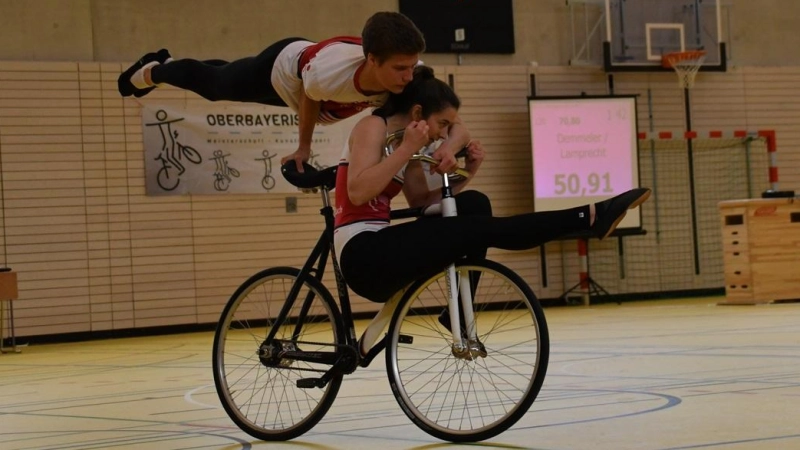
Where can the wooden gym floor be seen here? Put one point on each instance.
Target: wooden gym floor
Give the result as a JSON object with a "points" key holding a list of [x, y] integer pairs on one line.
{"points": [[680, 374]]}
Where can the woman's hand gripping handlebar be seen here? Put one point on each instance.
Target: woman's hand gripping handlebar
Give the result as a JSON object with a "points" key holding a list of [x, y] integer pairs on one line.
{"points": [[457, 175]]}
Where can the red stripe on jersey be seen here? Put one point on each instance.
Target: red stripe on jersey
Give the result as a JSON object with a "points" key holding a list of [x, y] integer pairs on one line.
{"points": [[330, 111], [310, 52], [376, 209], [335, 111]]}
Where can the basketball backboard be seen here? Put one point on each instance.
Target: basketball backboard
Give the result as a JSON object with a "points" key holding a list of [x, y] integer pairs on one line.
{"points": [[639, 32]]}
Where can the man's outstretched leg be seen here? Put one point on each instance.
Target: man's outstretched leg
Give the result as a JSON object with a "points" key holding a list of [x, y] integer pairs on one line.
{"points": [[243, 80]]}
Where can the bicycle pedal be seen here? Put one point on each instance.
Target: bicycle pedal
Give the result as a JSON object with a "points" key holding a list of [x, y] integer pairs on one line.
{"points": [[310, 383], [405, 339]]}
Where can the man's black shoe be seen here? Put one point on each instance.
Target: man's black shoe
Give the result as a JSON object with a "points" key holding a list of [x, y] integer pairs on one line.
{"points": [[161, 56], [124, 85]]}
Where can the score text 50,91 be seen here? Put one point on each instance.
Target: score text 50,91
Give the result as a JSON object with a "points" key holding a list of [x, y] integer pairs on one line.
{"points": [[574, 184]]}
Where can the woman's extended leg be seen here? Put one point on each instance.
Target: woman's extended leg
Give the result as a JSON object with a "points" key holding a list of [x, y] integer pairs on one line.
{"points": [[474, 204], [378, 264]]}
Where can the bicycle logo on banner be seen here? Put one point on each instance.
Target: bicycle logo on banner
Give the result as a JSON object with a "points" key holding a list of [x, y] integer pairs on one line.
{"points": [[268, 182], [223, 172], [172, 153]]}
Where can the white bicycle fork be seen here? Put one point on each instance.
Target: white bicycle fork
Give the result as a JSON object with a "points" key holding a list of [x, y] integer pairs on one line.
{"points": [[459, 283]]}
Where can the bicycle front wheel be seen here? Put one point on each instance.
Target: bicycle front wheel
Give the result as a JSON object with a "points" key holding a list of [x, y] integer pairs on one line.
{"points": [[468, 399], [257, 387]]}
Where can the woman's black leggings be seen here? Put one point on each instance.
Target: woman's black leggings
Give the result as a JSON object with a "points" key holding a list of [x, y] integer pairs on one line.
{"points": [[378, 264], [243, 80]]}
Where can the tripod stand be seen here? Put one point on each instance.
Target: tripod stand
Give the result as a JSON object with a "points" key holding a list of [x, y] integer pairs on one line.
{"points": [[587, 287]]}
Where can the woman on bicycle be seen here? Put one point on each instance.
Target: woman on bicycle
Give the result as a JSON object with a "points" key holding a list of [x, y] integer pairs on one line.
{"points": [[378, 260]]}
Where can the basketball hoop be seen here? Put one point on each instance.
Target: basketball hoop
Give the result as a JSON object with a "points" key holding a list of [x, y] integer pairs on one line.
{"points": [[686, 65]]}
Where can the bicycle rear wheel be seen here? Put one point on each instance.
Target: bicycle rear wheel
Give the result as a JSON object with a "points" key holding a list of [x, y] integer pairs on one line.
{"points": [[259, 392], [468, 399]]}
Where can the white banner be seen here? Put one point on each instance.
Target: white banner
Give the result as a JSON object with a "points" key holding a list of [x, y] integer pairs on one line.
{"points": [[223, 148]]}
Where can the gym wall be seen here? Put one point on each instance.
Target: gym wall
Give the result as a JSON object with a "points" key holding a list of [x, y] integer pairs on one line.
{"points": [[94, 253]]}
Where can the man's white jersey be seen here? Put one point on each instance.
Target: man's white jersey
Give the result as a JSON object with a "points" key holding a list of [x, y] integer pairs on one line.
{"points": [[329, 72]]}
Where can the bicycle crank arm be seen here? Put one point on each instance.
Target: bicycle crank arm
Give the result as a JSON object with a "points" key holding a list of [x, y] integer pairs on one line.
{"points": [[343, 365], [311, 383]]}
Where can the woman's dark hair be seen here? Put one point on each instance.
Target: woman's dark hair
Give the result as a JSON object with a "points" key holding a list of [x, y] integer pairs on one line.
{"points": [[390, 33], [426, 90]]}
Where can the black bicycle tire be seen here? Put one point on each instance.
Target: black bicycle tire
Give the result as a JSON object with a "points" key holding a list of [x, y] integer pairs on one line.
{"points": [[537, 381], [219, 381]]}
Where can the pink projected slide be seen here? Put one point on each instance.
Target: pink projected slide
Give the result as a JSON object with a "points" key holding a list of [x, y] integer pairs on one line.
{"points": [[583, 147]]}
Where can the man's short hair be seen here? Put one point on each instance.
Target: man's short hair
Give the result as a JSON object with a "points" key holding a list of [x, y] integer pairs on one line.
{"points": [[390, 33]]}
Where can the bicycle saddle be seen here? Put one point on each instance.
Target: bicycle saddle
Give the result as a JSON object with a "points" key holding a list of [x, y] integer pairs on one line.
{"points": [[311, 178]]}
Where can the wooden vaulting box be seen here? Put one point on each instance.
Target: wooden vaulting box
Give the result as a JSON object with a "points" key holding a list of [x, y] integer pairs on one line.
{"points": [[761, 247]]}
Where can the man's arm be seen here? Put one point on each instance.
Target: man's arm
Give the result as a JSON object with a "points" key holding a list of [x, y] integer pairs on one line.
{"points": [[474, 158], [458, 137], [308, 114]]}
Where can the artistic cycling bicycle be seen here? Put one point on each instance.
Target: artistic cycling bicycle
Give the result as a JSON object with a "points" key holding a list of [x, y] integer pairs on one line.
{"points": [[466, 350]]}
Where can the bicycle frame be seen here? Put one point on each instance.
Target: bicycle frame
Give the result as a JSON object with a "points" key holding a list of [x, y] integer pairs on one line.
{"points": [[361, 352], [315, 266]]}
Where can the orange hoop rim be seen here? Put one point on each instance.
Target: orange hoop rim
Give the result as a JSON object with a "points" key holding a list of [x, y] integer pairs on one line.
{"points": [[668, 60]]}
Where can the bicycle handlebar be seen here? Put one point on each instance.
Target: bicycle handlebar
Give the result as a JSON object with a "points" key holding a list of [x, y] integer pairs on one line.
{"points": [[312, 178], [457, 175]]}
